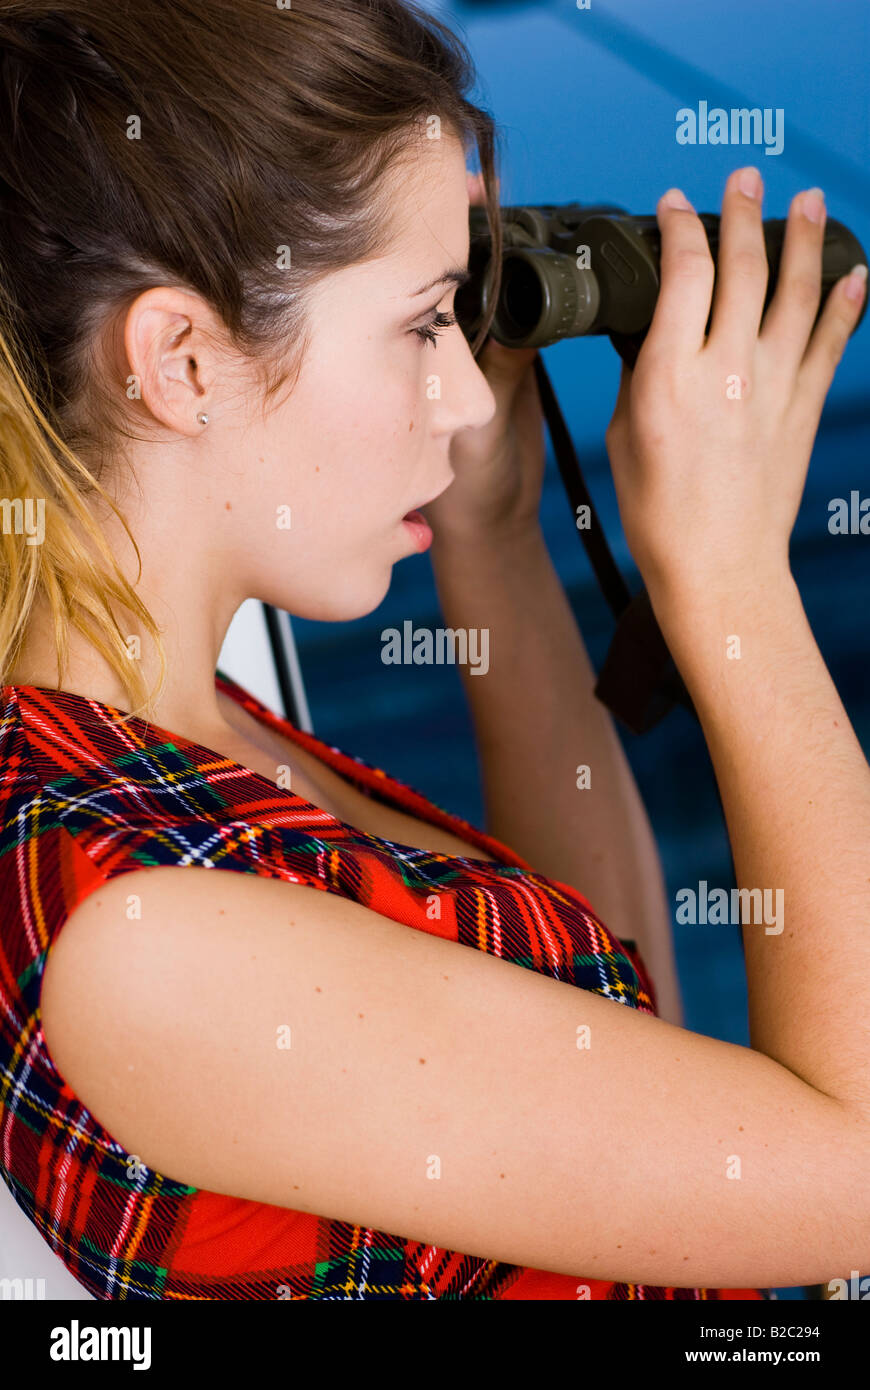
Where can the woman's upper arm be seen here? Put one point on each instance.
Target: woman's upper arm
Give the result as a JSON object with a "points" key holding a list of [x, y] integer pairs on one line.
{"points": [[286, 1045]]}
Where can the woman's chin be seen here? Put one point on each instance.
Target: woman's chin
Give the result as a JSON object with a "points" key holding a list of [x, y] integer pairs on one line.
{"points": [[358, 601]]}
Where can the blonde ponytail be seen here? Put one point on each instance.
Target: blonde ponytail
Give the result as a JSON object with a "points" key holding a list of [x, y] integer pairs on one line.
{"points": [[79, 586]]}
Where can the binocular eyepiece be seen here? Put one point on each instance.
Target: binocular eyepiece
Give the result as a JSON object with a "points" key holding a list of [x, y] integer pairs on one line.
{"points": [[570, 270]]}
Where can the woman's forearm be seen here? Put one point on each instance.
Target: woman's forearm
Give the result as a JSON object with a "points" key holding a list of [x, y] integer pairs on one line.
{"points": [[536, 722], [795, 788]]}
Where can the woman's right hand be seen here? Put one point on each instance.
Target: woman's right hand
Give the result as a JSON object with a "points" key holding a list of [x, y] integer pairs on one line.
{"points": [[711, 437]]}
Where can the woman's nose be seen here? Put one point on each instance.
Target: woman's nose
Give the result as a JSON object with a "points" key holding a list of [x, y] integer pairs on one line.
{"points": [[467, 399]]}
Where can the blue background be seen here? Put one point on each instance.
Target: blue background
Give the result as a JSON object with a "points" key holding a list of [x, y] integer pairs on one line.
{"points": [[587, 101]]}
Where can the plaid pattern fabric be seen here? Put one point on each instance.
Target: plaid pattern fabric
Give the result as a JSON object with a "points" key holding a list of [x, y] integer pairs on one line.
{"points": [[83, 799]]}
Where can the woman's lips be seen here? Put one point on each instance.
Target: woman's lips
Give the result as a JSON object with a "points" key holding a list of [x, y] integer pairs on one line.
{"points": [[417, 524], [419, 529]]}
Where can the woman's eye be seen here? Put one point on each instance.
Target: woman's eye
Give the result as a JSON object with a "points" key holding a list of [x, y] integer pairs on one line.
{"points": [[429, 331]]}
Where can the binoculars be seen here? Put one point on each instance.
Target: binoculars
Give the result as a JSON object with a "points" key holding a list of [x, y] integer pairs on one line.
{"points": [[571, 270]]}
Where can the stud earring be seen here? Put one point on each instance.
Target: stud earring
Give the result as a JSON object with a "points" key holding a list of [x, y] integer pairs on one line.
{"points": [[202, 419]]}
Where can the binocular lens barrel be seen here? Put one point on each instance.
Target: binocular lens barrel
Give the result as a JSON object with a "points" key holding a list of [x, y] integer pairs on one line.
{"points": [[574, 270]]}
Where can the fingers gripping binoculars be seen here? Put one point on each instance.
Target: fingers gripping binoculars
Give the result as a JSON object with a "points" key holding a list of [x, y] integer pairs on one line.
{"points": [[571, 270]]}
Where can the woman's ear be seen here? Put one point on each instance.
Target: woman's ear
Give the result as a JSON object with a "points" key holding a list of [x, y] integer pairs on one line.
{"points": [[171, 361]]}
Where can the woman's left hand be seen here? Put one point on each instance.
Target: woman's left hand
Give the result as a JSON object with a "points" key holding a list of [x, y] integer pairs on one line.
{"points": [[500, 467]]}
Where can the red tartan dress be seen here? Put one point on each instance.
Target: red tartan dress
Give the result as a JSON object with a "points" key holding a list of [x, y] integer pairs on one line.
{"points": [[83, 799]]}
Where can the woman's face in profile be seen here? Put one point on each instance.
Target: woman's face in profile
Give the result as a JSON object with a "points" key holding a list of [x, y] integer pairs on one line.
{"points": [[364, 436]]}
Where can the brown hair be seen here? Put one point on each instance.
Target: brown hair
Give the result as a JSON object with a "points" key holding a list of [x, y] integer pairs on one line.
{"points": [[154, 142]]}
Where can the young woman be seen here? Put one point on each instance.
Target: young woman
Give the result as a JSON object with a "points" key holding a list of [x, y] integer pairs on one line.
{"points": [[241, 1057]]}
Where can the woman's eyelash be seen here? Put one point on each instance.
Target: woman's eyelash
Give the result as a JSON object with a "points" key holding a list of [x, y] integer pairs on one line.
{"points": [[429, 331]]}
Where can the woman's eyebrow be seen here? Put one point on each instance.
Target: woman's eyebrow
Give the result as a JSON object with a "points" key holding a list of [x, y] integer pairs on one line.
{"points": [[457, 275]]}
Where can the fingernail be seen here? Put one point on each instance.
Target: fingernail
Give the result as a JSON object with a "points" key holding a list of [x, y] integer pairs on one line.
{"points": [[856, 285], [813, 205], [749, 182], [674, 198]]}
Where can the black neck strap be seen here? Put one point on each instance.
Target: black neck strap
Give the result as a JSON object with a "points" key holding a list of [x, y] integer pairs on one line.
{"points": [[639, 682]]}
